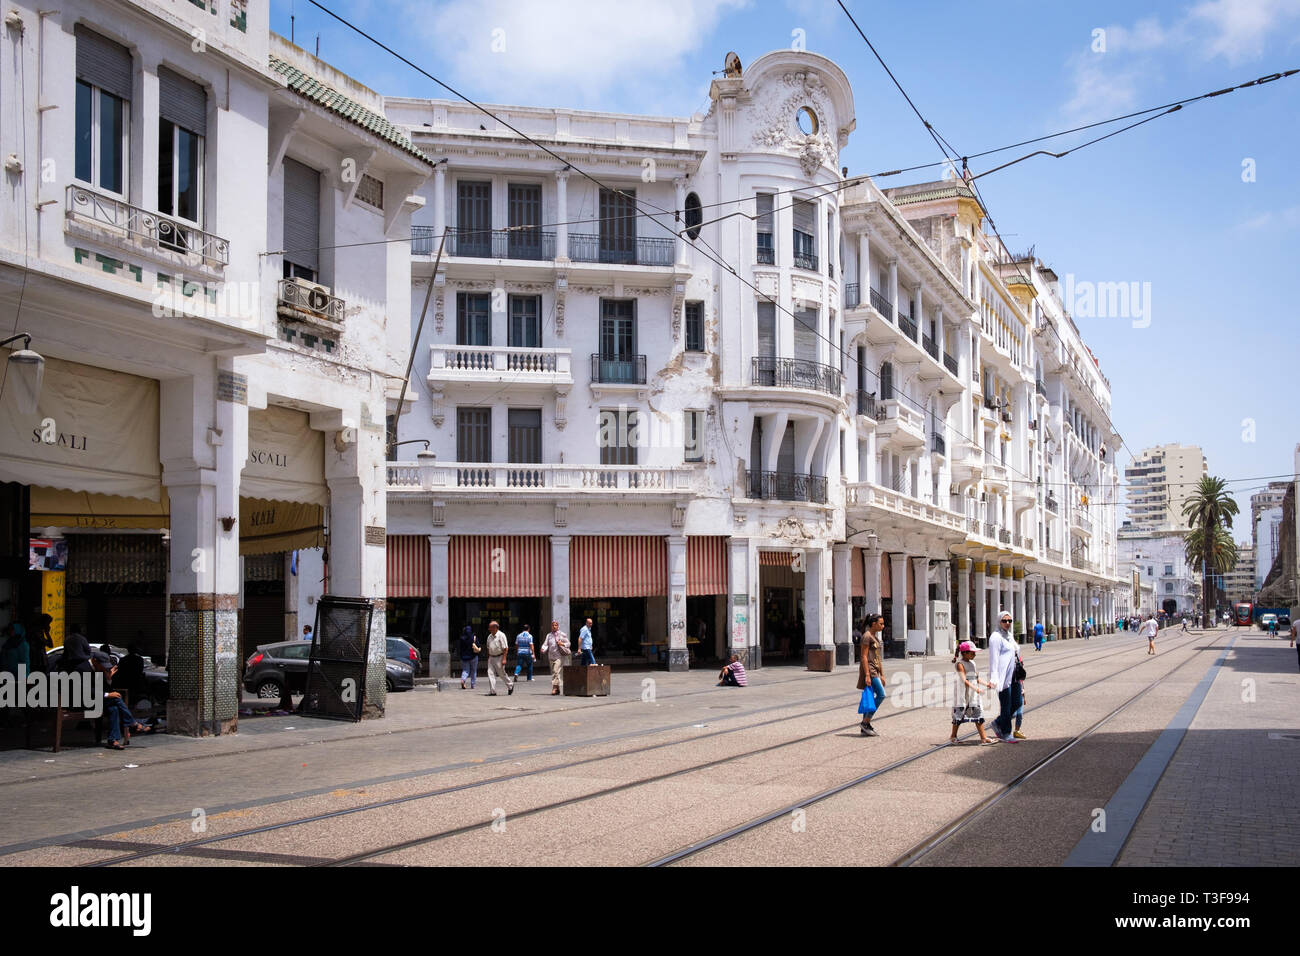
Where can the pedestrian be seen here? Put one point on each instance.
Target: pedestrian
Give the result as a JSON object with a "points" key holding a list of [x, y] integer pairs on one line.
{"points": [[1149, 630], [1294, 634], [1184, 625], [1039, 634], [584, 644], [968, 707], [1087, 629], [38, 642], [1272, 627], [469, 651], [733, 673], [524, 653], [497, 649], [556, 649], [1002, 665], [871, 674], [306, 632]]}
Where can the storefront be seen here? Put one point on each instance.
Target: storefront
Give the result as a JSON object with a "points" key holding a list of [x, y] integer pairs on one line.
{"points": [[781, 583], [706, 598], [621, 583], [408, 584], [502, 578]]}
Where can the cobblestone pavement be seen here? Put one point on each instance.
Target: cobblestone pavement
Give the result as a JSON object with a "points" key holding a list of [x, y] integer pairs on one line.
{"points": [[1228, 797]]}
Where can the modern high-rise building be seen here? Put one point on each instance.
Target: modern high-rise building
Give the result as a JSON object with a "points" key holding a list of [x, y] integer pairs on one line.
{"points": [[1239, 584], [1160, 480]]}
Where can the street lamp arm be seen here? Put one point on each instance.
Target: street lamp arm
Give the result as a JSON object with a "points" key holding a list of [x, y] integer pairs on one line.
{"points": [[25, 336]]}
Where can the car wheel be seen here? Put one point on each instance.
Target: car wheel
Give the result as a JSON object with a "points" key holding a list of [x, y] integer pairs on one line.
{"points": [[270, 690], [392, 688]]}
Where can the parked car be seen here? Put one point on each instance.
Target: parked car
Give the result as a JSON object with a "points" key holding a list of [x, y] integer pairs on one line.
{"points": [[403, 650], [155, 675], [273, 666], [1283, 620], [399, 675]]}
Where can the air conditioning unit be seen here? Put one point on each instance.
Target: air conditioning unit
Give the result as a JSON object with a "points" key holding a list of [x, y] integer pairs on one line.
{"points": [[311, 296]]}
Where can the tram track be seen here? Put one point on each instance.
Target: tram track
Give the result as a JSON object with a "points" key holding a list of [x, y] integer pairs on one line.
{"points": [[186, 847], [749, 826]]}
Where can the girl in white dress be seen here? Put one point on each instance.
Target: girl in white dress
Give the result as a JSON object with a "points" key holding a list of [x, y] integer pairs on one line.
{"points": [[968, 706]]}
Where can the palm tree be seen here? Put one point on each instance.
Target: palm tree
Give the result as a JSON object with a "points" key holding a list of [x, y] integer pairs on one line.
{"points": [[1209, 544]]}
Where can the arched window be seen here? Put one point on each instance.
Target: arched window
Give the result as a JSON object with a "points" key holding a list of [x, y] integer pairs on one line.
{"points": [[886, 382], [694, 216]]}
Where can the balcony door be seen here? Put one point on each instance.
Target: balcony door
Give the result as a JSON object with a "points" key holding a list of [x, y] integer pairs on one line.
{"points": [[765, 350], [473, 319], [618, 358], [524, 445], [473, 444], [525, 322], [524, 206], [618, 226], [474, 219]]}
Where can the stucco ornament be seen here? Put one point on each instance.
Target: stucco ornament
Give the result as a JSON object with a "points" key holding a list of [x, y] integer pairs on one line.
{"points": [[776, 126]]}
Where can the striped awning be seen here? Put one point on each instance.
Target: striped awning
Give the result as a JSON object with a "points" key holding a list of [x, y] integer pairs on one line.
{"points": [[408, 565], [886, 577], [618, 566], [856, 574], [706, 565], [776, 559], [499, 565]]}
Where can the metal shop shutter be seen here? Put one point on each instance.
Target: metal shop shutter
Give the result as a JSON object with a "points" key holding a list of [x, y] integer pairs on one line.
{"points": [[301, 214], [182, 102], [103, 63]]}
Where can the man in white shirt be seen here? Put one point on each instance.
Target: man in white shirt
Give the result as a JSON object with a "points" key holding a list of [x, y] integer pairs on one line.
{"points": [[1002, 664], [1149, 628]]}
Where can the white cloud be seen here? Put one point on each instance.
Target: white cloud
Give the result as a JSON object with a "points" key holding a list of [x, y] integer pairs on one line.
{"points": [[1102, 87], [1285, 219], [1239, 30], [567, 51]]}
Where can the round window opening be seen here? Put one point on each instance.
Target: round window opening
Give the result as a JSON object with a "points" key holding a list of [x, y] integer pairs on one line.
{"points": [[807, 121], [694, 216]]}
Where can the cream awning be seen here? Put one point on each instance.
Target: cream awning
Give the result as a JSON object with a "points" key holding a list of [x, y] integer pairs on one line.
{"points": [[103, 427], [286, 457]]}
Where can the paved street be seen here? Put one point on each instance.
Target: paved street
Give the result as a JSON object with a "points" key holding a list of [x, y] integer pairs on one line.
{"points": [[659, 767]]}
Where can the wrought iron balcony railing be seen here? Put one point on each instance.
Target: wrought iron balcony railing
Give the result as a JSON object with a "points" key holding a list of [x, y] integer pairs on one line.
{"points": [[316, 301], [515, 243], [785, 486], [151, 229], [867, 405], [852, 295], [928, 344], [906, 323], [641, 252], [1041, 387], [882, 305], [618, 369], [937, 444], [1052, 505], [805, 260], [795, 373], [950, 363], [765, 254]]}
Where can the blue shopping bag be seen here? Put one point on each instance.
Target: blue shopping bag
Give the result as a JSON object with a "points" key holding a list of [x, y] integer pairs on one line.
{"points": [[868, 703]]}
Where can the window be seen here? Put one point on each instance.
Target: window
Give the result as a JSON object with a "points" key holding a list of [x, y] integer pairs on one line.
{"points": [[830, 243], [766, 252], [1150, 571], [694, 421], [619, 435], [473, 434], [1169, 587], [694, 214], [301, 221], [807, 121], [525, 435], [805, 239], [371, 191], [886, 382], [473, 322], [525, 330], [618, 226], [765, 351], [695, 326], [473, 219], [617, 328], [182, 126], [1169, 569], [103, 112], [524, 208]]}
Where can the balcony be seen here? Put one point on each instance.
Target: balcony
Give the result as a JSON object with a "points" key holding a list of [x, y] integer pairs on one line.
{"points": [[114, 220], [494, 365], [1081, 523], [852, 295], [518, 243], [765, 254], [928, 344], [864, 495], [908, 325], [901, 424], [995, 475], [1041, 387], [785, 486], [642, 252], [805, 260], [882, 305], [1004, 536], [937, 444], [310, 303], [487, 481], [1055, 555], [617, 369], [795, 373], [967, 461], [950, 363], [1052, 505], [867, 405]]}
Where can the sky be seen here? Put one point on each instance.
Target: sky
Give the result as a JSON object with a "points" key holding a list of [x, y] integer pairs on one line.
{"points": [[1198, 212]]}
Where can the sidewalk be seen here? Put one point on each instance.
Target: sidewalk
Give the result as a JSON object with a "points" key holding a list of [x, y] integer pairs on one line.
{"points": [[1228, 796]]}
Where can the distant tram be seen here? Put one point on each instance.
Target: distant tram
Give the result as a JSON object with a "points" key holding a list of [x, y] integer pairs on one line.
{"points": [[1243, 613]]}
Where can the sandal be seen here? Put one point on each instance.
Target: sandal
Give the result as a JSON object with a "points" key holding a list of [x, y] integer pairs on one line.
{"points": [[115, 745]]}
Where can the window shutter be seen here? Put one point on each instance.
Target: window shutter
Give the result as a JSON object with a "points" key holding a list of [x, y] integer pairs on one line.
{"points": [[765, 212], [103, 63], [807, 329], [766, 330], [182, 102], [301, 214], [804, 212]]}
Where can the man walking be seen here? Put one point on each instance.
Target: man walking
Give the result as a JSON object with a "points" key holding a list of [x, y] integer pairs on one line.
{"points": [[1002, 665], [524, 653], [556, 649], [1293, 637], [497, 648], [1039, 634], [584, 644], [1149, 629]]}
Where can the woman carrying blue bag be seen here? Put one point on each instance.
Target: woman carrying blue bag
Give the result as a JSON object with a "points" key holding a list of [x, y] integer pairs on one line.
{"points": [[871, 673]]}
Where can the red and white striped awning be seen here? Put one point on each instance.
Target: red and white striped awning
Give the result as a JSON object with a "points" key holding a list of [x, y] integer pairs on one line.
{"points": [[706, 565], [618, 566], [776, 559], [499, 565], [856, 575], [408, 565], [886, 577]]}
